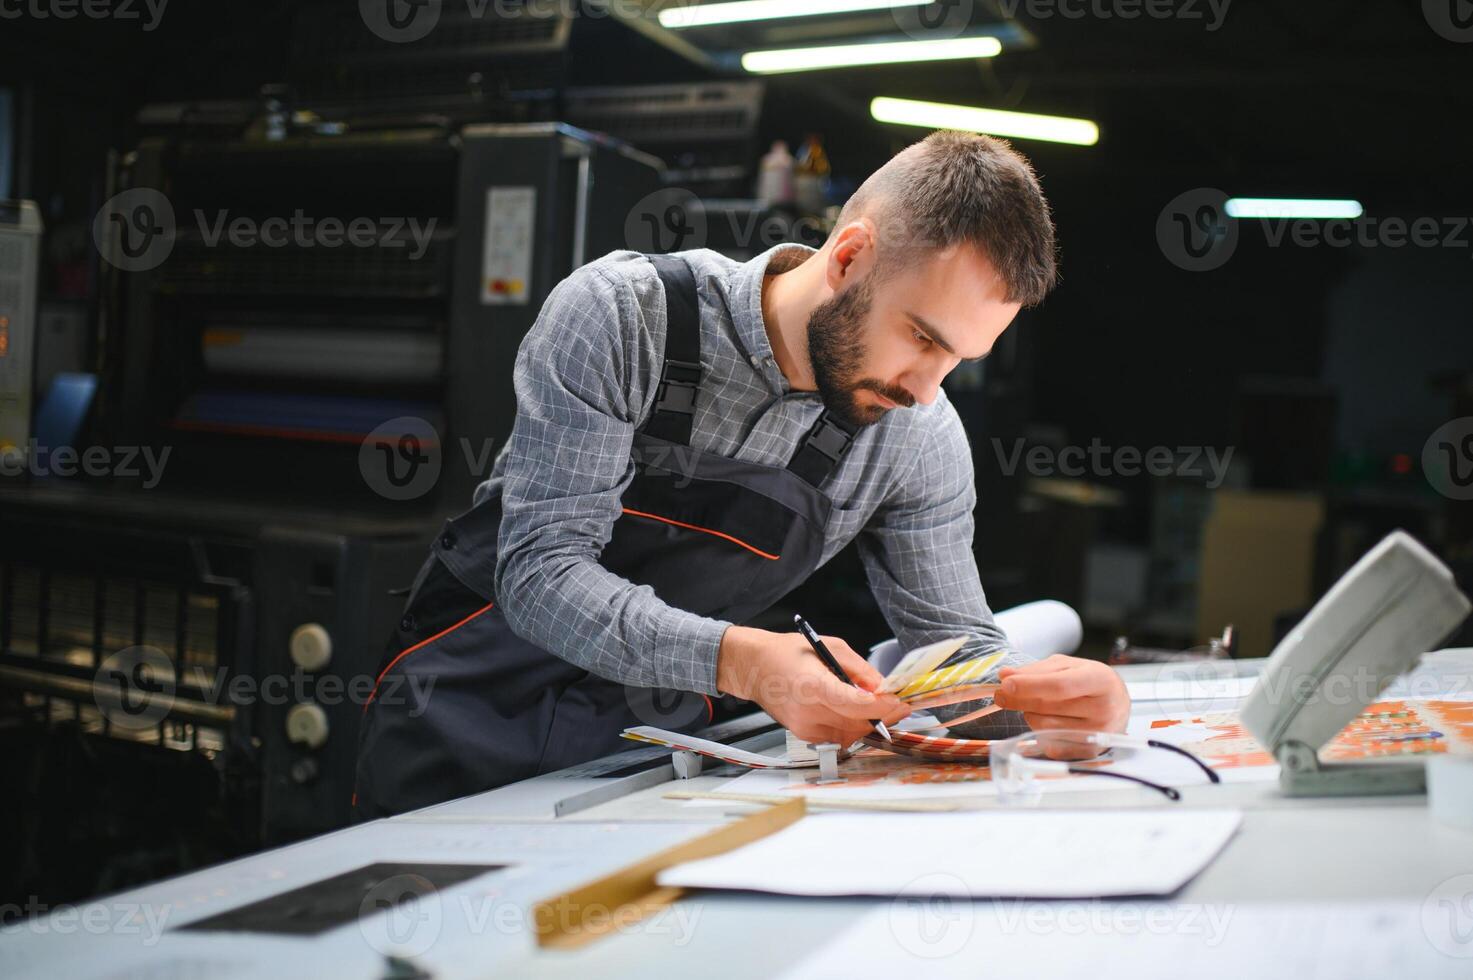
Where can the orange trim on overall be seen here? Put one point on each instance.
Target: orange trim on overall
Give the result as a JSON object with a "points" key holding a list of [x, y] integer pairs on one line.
{"points": [[422, 643], [704, 530]]}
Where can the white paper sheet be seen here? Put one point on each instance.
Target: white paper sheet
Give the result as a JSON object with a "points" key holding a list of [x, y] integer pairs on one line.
{"points": [[1206, 736], [1191, 688], [715, 750], [873, 776], [892, 786], [1146, 941], [1032, 854]]}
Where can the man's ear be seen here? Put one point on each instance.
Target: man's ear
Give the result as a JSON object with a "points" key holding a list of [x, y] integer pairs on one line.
{"points": [[853, 253]]}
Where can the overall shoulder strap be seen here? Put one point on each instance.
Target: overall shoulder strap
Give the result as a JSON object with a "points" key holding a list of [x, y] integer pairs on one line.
{"points": [[822, 448], [675, 399]]}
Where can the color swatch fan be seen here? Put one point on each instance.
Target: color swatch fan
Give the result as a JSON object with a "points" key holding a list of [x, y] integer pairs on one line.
{"points": [[921, 682]]}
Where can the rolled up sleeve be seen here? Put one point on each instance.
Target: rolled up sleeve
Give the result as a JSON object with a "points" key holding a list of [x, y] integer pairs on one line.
{"points": [[583, 380]]}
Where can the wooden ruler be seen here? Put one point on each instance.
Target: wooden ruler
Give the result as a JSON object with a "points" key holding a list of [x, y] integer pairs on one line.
{"points": [[620, 899]]}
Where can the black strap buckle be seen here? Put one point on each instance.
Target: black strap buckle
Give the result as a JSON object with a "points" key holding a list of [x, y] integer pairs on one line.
{"points": [[678, 385], [830, 437], [822, 449]]}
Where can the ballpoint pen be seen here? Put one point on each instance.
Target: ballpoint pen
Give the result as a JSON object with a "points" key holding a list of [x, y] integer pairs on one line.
{"points": [[833, 665]]}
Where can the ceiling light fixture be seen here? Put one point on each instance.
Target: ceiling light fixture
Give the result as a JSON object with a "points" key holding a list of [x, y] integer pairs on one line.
{"points": [[879, 53], [683, 15], [1274, 207], [996, 122]]}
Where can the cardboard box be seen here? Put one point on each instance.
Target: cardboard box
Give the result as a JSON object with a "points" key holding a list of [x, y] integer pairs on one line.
{"points": [[1258, 556]]}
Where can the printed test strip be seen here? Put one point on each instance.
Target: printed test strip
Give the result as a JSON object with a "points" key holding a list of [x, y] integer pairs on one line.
{"points": [[967, 672]]}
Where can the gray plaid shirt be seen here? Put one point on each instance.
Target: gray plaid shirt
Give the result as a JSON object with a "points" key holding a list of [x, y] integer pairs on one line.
{"points": [[585, 379]]}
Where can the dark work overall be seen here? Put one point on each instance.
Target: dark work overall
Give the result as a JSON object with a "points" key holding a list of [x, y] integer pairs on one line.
{"points": [[715, 536]]}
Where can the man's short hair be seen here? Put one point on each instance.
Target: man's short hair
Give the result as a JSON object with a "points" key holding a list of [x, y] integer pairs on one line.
{"points": [[962, 188]]}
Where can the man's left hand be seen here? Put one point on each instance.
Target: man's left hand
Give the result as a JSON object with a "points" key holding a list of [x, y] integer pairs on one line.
{"points": [[1065, 692]]}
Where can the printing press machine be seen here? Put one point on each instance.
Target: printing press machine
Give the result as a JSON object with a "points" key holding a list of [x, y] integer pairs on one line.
{"points": [[316, 412]]}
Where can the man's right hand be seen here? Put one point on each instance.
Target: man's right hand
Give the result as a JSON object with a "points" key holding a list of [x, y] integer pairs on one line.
{"points": [[781, 672]]}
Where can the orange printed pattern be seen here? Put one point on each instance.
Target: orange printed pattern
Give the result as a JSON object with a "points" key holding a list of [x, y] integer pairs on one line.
{"points": [[1388, 728], [1385, 730], [1455, 718], [879, 768], [945, 772]]}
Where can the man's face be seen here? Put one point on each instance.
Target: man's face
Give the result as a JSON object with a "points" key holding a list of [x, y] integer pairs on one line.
{"points": [[880, 346]]}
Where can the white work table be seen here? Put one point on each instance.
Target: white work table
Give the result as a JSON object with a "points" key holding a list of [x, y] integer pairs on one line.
{"points": [[1336, 852]]}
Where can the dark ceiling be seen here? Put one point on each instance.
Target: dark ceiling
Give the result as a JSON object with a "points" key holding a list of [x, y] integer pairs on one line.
{"points": [[1279, 92], [1284, 98], [1292, 97]]}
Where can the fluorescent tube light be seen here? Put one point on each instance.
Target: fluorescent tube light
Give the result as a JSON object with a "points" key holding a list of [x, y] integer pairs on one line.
{"points": [[1273, 207], [881, 53], [684, 15], [996, 122]]}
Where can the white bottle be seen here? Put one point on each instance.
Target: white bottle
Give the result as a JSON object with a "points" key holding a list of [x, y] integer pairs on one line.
{"points": [[775, 178]]}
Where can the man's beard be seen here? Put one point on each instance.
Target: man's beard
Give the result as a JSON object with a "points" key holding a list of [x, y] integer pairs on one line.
{"points": [[836, 348]]}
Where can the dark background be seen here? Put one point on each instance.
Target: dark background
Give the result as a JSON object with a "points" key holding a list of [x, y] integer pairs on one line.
{"points": [[1316, 99]]}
